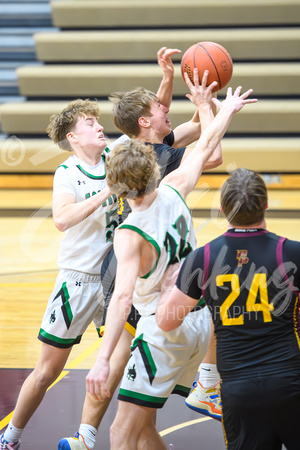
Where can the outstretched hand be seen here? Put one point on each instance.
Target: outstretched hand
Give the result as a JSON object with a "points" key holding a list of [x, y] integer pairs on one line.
{"points": [[200, 94], [96, 381], [235, 100], [164, 60]]}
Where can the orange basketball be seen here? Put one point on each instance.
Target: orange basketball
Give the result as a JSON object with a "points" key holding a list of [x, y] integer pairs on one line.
{"points": [[208, 56]]}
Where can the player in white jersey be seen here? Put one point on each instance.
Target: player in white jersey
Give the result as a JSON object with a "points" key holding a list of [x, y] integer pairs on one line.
{"points": [[77, 296], [85, 209], [143, 253]]}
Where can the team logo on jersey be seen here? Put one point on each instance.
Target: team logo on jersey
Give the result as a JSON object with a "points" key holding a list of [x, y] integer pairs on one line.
{"points": [[242, 257], [52, 317], [131, 374]]}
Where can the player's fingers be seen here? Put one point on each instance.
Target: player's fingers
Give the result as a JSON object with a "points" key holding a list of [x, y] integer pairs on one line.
{"points": [[171, 51], [216, 102], [212, 86], [247, 93], [196, 78], [251, 100], [89, 387], [229, 92], [105, 390], [187, 80], [204, 78], [237, 91], [161, 51]]}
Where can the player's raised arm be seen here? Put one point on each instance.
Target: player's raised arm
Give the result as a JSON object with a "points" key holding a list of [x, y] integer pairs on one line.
{"points": [[186, 176], [203, 120], [165, 90]]}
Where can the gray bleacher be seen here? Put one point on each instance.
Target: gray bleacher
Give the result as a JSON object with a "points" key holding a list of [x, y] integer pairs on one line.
{"points": [[95, 47]]}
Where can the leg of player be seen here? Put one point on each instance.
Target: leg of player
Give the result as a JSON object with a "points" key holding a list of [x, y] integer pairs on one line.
{"points": [[205, 397], [93, 410], [49, 366], [131, 420], [146, 434]]}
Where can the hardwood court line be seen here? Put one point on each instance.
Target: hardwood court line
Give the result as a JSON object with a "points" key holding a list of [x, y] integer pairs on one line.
{"points": [[72, 365], [5, 421], [183, 425]]}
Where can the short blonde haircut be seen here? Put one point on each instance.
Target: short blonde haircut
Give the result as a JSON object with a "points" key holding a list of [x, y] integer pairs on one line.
{"points": [[61, 124], [129, 106], [132, 170]]}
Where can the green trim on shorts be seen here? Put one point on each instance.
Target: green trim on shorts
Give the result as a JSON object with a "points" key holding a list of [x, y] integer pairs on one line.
{"points": [[58, 340], [144, 397], [148, 360], [67, 303], [181, 390]]}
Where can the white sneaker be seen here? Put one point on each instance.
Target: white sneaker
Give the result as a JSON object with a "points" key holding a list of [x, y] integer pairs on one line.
{"points": [[4, 445], [206, 401], [73, 443]]}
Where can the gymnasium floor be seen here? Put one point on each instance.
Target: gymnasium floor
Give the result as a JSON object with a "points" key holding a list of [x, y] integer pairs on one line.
{"points": [[29, 246]]}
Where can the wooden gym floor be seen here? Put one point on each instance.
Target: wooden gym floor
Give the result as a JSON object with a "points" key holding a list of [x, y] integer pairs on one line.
{"points": [[29, 245]]}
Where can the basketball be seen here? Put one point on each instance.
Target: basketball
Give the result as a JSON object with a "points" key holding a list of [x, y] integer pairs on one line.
{"points": [[208, 56]]}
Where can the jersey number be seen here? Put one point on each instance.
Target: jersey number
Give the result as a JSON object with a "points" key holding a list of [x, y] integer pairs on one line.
{"points": [[176, 254], [259, 284]]}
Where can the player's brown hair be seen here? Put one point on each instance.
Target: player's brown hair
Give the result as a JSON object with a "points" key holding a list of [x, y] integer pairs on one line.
{"points": [[132, 170], [62, 123], [244, 198], [129, 106]]}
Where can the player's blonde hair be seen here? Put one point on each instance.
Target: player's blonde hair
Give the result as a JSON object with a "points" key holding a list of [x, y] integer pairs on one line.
{"points": [[129, 106], [132, 170], [62, 123], [244, 198]]}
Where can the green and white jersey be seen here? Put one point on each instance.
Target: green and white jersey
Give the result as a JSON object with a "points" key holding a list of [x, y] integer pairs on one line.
{"points": [[85, 244], [167, 225]]}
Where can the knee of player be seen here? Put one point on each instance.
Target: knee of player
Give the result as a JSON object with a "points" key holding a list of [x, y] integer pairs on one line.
{"points": [[115, 433], [45, 376]]}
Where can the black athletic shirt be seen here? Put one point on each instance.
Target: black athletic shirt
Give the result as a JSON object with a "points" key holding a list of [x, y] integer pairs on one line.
{"points": [[168, 158], [250, 281]]}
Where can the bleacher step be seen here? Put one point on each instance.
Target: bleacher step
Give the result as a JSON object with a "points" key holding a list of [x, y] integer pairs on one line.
{"points": [[263, 117], [258, 44], [100, 80]]}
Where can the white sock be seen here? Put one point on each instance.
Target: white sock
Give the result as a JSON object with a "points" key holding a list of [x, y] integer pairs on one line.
{"points": [[208, 375], [89, 434], [12, 434]]}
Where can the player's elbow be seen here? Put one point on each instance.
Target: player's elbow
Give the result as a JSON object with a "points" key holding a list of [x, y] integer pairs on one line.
{"points": [[60, 224], [125, 303], [214, 162], [163, 321]]}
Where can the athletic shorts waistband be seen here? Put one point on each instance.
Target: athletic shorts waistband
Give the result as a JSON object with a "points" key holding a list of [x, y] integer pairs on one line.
{"points": [[81, 276]]}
